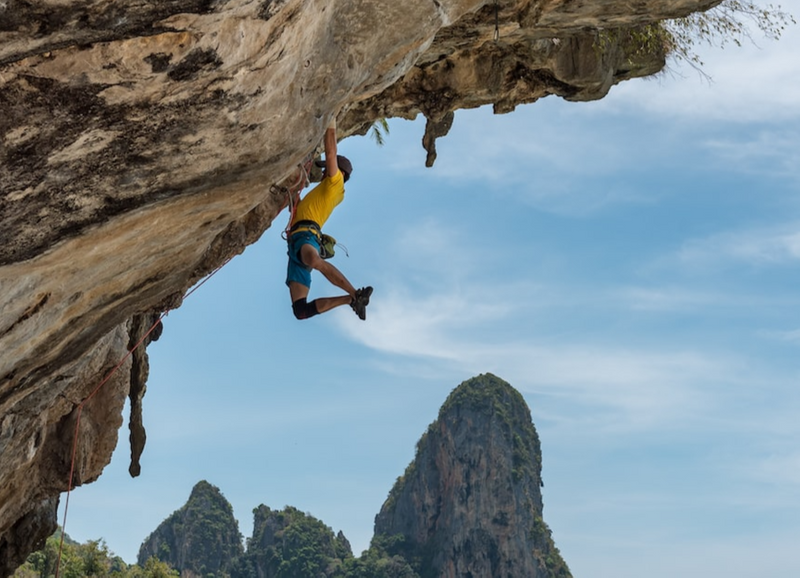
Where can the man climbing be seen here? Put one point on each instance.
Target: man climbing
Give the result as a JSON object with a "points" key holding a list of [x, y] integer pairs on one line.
{"points": [[304, 239]]}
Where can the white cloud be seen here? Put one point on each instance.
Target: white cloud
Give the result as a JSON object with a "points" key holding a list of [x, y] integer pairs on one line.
{"points": [[560, 196], [772, 152], [632, 386], [774, 246], [502, 148], [405, 325], [678, 299]]}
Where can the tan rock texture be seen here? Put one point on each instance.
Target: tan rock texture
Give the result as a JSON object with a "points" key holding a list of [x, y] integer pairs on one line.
{"points": [[139, 146]]}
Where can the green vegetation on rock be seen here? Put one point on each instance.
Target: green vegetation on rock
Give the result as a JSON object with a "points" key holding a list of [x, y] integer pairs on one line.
{"points": [[380, 561], [292, 544], [89, 560], [677, 39], [490, 395], [202, 537]]}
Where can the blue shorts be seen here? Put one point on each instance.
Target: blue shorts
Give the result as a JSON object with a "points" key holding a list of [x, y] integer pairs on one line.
{"points": [[297, 271]]}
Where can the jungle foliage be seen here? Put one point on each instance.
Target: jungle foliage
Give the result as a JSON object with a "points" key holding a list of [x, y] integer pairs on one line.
{"points": [[92, 559], [303, 548]]}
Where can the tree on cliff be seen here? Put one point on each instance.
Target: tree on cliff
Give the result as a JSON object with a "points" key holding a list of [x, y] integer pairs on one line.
{"points": [[729, 21]]}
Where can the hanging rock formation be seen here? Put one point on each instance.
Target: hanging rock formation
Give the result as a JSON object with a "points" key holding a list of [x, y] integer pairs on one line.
{"points": [[138, 145]]}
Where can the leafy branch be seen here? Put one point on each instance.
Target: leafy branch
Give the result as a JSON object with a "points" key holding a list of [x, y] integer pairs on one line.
{"points": [[729, 21], [677, 39], [379, 131]]}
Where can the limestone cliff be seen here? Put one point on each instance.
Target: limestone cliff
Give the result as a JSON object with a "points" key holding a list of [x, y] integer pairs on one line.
{"points": [[202, 538], [470, 503], [139, 146], [289, 542]]}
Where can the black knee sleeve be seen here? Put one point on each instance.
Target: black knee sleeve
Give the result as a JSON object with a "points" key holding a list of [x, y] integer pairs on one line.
{"points": [[303, 309]]}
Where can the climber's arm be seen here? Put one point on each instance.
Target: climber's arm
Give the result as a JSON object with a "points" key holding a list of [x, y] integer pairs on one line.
{"points": [[331, 164]]}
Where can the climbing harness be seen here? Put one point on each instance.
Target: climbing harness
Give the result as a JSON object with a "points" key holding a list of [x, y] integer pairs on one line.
{"points": [[327, 244]]}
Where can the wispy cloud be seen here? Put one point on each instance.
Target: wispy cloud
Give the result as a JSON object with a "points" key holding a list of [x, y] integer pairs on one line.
{"points": [[408, 325], [560, 196], [770, 151], [761, 247], [637, 386]]}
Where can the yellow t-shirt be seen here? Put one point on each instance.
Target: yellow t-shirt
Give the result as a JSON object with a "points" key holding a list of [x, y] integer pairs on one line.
{"points": [[320, 201]]}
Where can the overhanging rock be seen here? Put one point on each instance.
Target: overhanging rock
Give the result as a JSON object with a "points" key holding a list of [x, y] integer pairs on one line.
{"points": [[138, 143]]}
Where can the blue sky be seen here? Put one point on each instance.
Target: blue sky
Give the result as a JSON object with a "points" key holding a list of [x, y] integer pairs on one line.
{"points": [[629, 265]]}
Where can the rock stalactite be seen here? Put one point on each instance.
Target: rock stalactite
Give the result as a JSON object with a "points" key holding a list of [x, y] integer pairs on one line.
{"points": [[138, 143]]}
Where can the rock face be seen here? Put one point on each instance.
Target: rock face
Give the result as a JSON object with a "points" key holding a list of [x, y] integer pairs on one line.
{"points": [[201, 538], [470, 503], [143, 144]]}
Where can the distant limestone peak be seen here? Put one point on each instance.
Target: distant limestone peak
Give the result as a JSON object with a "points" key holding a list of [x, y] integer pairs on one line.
{"points": [[470, 503], [201, 538], [289, 542]]}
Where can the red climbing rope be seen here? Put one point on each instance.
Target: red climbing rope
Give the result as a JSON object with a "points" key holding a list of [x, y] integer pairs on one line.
{"points": [[94, 392]]}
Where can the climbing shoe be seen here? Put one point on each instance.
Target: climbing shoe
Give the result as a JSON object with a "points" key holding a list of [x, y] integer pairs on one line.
{"points": [[360, 301], [363, 294]]}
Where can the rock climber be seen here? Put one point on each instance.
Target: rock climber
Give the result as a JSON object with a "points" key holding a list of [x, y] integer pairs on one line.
{"points": [[304, 239]]}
